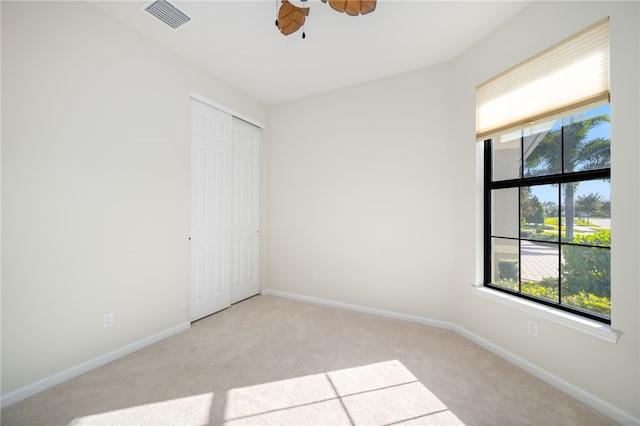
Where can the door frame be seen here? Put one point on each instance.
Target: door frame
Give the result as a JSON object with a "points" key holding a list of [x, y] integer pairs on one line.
{"points": [[223, 108]]}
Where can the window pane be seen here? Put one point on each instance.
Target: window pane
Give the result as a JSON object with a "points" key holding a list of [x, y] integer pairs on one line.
{"points": [[539, 218], [550, 218], [540, 274], [505, 270], [586, 278], [542, 149], [504, 212], [586, 212], [587, 140], [506, 157]]}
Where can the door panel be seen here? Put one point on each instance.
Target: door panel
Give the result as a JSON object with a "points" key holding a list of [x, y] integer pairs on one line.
{"points": [[211, 169], [246, 198]]}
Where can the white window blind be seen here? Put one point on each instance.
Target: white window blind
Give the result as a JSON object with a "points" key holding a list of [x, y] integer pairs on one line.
{"points": [[569, 75]]}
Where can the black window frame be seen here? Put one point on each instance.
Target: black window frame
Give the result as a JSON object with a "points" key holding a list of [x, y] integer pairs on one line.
{"points": [[560, 178]]}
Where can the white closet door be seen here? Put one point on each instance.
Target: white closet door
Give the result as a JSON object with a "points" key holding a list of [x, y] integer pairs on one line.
{"points": [[245, 257], [211, 179]]}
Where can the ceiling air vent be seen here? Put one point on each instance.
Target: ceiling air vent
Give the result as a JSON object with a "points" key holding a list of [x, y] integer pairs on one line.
{"points": [[167, 13]]}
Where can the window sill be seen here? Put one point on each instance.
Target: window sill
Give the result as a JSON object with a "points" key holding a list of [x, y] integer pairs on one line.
{"points": [[584, 325]]}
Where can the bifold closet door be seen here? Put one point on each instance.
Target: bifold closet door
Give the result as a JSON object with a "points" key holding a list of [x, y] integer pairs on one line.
{"points": [[210, 210], [224, 210], [245, 257]]}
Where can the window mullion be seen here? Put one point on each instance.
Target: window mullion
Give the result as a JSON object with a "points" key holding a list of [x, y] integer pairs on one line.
{"points": [[552, 179], [522, 159]]}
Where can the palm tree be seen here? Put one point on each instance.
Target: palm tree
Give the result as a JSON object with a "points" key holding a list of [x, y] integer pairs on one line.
{"points": [[546, 158], [589, 204]]}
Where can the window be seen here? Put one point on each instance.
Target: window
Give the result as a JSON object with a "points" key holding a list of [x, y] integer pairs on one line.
{"points": [[545, 124], [547, 213]]}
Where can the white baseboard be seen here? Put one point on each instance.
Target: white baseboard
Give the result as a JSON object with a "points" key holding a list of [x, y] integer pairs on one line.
{"points": [[587, 398], [56, 379], [362, 309]]}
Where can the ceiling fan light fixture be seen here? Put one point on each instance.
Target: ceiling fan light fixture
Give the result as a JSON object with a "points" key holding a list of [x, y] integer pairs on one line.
{"points": [[352, 7], [290, 17], [292, 13]]}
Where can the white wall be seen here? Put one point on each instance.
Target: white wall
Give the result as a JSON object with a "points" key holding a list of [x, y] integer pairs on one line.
{"points": [[608, 371], [360, 191], [95, 185], [375, 187]]}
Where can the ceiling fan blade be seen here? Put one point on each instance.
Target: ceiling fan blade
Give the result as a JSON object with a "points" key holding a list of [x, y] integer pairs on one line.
{"points": [[290, 17], [367, 6], [353, 7]]}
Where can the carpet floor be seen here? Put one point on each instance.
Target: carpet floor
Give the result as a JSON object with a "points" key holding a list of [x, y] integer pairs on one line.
{"points": [[269, 360]]}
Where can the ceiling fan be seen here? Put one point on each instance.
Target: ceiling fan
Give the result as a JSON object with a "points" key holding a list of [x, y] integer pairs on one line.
{"points": [[291, 17]]}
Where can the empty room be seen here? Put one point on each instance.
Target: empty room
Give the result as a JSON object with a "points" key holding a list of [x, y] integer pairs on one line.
{"points": [[320, 212]]}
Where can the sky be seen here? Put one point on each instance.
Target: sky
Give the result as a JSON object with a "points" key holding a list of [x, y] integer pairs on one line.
{"points": [[602, 187], [550, 192]]}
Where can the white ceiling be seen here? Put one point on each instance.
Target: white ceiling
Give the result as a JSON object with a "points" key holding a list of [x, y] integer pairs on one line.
{"points": [[238, 41]]}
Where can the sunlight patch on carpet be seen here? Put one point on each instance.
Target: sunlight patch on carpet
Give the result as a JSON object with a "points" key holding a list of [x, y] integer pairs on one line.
{"points": [[191, 410], [382, 393]]}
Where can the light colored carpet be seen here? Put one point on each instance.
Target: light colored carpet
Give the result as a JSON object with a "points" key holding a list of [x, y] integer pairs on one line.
{"points": [[269, 360]]}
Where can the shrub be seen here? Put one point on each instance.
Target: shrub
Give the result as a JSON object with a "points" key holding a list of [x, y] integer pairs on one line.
{"points": [[547, 236], [508, 269], [507, 283], [547, 288], [539, 289], [589, 302], [588, 269]]}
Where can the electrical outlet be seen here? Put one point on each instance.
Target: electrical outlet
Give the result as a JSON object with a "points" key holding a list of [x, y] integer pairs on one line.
{"points": [[315, 277], [532, 328], [107, 319]]}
